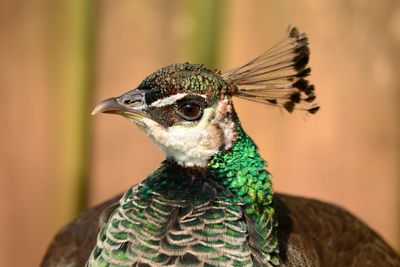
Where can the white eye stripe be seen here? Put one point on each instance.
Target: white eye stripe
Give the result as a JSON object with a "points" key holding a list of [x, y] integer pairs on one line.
{"points": [[171, 99]]}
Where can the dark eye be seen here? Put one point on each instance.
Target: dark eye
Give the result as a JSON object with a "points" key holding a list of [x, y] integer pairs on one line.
{"points": [[190, 111]]}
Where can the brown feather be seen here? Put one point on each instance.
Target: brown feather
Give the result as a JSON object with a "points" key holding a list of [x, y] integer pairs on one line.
{"points": [[311, 233], [277, 77]]}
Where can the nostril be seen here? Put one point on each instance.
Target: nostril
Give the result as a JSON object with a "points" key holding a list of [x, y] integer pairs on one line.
{"points": [[131, 101]]}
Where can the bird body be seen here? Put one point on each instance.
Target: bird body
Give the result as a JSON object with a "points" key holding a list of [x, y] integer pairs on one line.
{"points": [[311, 233], [211, 203], [220, 215]]}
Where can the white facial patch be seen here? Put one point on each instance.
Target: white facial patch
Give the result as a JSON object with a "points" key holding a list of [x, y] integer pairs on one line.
{"points": [[170, 100], [194, 145]]}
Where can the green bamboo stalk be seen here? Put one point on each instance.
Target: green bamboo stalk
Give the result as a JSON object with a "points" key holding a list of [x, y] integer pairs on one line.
{"points": [[71, 57], [206, 37]]}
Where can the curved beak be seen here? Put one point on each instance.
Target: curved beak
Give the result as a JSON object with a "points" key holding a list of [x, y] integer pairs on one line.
{"points": [[131, 105], [108, 106]]}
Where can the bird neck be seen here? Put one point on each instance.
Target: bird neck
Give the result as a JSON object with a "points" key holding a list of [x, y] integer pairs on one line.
{"points": [[241, 170]]}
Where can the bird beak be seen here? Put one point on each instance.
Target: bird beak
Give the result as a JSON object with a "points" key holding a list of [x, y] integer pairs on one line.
{"points": [[131, 105], [108, 106]]}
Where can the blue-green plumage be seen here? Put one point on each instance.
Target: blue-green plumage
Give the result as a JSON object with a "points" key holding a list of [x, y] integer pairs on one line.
{"points": [[191, 216]]}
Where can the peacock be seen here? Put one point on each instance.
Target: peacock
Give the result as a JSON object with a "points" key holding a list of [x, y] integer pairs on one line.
{"points": [[211, 201]]}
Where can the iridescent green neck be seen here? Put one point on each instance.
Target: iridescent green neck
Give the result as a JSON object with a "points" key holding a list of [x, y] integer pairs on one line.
{"points": [[241, 169]]}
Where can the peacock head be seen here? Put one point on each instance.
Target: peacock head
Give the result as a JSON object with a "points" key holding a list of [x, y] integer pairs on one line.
{"points": [[187, 109]]}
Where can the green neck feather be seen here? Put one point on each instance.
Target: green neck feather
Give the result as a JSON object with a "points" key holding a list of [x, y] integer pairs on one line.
{"points": [[241, 169]]}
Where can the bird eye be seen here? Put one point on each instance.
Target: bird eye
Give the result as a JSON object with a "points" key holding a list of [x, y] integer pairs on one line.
{"points": [[190, 111]]}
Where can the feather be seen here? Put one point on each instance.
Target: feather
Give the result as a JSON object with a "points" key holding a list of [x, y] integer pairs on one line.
{"points": [[277, 77]]}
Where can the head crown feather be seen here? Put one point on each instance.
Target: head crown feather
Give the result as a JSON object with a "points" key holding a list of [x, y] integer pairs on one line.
{"points": [[277, 77]]}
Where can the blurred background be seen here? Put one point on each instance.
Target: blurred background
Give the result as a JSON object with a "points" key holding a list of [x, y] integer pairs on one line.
{"points": [[59, 58]]}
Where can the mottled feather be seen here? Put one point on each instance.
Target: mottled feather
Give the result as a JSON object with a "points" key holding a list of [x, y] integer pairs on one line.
{"points": [[308, 232]]}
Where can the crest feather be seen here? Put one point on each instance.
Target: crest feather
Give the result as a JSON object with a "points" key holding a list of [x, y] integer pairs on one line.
{"points": [[277, 77]]}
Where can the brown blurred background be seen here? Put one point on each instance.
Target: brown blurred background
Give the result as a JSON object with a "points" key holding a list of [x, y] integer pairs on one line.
{"points": [[59, 58]]}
